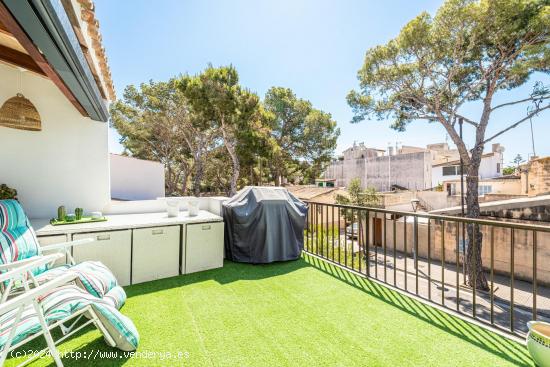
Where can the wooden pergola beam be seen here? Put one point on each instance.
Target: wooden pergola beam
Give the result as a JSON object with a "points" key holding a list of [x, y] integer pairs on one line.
{"points": [[17, 58], [15, 29]]}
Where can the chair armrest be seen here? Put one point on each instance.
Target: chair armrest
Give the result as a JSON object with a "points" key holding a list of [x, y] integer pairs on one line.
{"points": [[66, 245], [15, 264], [35, 293], [19, 268]]}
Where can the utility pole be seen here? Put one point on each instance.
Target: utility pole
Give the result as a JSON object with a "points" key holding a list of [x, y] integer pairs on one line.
{"points": [[460, 122], [389, 166]]}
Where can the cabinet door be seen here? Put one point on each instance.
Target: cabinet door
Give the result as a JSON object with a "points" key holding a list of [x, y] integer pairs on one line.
{"points": [[203, 246], [52, 240], [155, 253], [113, 249]]}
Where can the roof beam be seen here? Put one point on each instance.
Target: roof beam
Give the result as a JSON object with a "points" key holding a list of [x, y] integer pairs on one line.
{"points": [[15, 29], [20, 59]]}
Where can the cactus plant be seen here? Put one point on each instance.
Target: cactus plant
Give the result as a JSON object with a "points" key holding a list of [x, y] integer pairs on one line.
{"points": [[78, 213], [61, 213], [7, 192]]}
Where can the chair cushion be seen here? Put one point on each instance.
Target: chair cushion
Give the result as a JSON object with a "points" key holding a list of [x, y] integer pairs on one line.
{"points": [[93, 276], [60, 304], [17, 238]]}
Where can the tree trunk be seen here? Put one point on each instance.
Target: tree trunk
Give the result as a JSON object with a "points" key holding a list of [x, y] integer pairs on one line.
{"points": [[230, 146], [199, 172], [169, 180], [184, 181], [236, 167], [474, 267]]}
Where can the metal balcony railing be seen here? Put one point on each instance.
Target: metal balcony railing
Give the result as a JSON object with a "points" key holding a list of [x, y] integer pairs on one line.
{"points": [[425, 255]]}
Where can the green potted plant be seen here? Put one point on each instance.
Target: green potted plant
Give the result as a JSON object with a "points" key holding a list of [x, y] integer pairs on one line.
{"points": [[7, 192]]}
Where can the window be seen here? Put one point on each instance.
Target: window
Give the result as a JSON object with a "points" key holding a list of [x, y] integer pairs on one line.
{"points": [[451, 171], [498, 167], [451, 189], [485, 189]]}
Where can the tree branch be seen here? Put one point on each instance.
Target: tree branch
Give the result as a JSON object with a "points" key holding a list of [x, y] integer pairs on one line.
{"points": [[516, 124], [519, 101]]}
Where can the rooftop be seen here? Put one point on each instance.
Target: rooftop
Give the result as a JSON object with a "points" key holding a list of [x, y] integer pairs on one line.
{"points": [[304, 312]]}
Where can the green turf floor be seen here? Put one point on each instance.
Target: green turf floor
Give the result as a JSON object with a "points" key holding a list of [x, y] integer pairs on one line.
{"points": [[300, 313]]}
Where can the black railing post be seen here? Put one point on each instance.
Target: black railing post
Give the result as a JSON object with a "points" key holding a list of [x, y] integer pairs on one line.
{"points": [[320, 224], [535, 275]]}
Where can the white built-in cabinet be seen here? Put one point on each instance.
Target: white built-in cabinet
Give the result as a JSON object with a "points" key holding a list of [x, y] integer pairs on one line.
{"points": [[144, 254], [203, 247], [112, 248], [156, 253]]}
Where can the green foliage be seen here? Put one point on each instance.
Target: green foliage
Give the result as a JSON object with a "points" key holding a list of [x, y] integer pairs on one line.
{"points": [[7, 192], [209, 130], [509, 170], [151, 123], [304, 137], [439, 187], [466, 53], [357, 197], [518, 159], [218, 100]]}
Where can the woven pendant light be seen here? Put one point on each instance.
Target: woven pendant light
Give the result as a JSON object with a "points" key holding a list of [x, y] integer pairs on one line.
{"points": [[19, 113]]}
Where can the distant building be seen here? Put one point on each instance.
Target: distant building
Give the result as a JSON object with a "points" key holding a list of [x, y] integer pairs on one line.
{"points": [[490, 167], [409, 167]]}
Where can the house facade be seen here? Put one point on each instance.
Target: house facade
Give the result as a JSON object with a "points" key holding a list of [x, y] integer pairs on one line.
{"points": [[63, 72], [490, 167], [409, 167]]}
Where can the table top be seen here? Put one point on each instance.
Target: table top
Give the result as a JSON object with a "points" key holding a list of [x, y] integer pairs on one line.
{"points": [[43, 227]]}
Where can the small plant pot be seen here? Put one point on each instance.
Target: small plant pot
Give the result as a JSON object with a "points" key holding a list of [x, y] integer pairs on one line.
{"points": [[538, 342], [70, 217]]}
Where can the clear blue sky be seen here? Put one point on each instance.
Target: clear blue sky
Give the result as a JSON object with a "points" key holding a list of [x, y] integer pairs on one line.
{"points": [[314, 47]]}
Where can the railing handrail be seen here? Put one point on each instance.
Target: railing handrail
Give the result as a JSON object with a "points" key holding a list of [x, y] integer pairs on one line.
{"points": [[368, 247], [489, 222]]}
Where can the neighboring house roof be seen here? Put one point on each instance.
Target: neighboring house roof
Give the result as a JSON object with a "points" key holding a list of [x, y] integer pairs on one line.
{"points": [[315, 193], [516, 203], [455, 162]]}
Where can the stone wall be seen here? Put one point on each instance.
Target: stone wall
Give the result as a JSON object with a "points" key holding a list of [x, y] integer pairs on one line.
{"points": [[535, 177], [523, 247]]}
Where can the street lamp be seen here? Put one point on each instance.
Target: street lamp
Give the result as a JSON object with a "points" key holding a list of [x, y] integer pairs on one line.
{"points": [[414, 204]]}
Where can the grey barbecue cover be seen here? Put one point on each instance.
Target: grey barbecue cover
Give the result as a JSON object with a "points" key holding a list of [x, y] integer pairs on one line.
{"points": [[264, 224]]}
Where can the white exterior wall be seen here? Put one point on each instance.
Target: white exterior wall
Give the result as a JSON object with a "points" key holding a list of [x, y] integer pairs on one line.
{"points": [[136, 179], [67, 163], [411, 170], [487, 169]]}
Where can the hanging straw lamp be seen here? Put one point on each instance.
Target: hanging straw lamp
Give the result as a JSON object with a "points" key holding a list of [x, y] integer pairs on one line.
{"points": [[19, 113]]}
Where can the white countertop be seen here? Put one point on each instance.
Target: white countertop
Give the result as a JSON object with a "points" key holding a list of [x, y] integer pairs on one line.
{"points": [[43, 227]]}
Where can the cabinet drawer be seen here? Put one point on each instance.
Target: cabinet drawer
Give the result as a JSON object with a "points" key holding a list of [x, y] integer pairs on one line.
{"points": [[203, 246], [111, 248], [52, 240], [155, 253]]}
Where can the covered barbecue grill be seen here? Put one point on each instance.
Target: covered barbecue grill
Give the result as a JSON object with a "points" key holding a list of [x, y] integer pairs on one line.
{"points": [[264, 224]]}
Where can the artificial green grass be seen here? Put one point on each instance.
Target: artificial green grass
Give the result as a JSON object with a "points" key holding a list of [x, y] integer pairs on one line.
{"points": [[300, 313]]}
